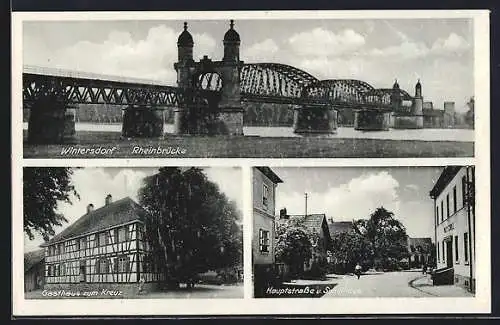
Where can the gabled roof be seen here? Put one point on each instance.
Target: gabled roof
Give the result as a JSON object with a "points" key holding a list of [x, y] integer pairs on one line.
{"points": [[444, 179], [311, 221], [270, 174], [340, 227], [33, 258], [115, 213]]}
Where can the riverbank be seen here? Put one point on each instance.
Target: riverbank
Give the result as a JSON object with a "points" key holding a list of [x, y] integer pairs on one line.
{"points": [[170, 146]]}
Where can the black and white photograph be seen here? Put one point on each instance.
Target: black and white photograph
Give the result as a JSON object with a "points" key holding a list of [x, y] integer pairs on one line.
{"points": [[258, 88], [170, 232], [327, 232]]}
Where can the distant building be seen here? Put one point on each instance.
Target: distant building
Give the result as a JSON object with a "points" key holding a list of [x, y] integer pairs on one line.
{"points": [[449, 114], [34, 270], [433, 118], [336, 227], [105, 245], [454, 221], [317, 224], [419, 250]]}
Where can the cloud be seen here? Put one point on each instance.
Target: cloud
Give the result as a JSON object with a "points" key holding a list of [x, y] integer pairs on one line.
{"points": [[412, 187], [354, 200], [122, 55], [264, 51], [453, 45], [322, 42]]}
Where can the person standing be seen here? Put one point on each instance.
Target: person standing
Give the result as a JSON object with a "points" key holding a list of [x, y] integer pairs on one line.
{"points": [[357, 270]]}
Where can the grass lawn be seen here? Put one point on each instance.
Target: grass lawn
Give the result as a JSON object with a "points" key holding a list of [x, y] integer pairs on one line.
{"points": [[250, 147]]}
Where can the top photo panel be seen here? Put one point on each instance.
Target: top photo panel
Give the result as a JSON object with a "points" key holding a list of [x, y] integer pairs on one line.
{"points": [[248, 88]]}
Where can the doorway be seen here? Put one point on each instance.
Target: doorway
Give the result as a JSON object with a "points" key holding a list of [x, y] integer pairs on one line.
{"points": [[449, 253]]}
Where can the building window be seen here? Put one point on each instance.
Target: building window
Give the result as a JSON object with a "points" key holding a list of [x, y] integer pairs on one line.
{"points": [[63, 269], [437, 247], [265, 195], [263, 241], [464, 191], [103, 266], [444, 251], [122, 264], [437, 215], [61, 248], [454, 199], [56, 249], [466, 247], [83, 243], [456, 249], [57, 270], [123, 234], [447, 206], [442, 212], [103, 239]]}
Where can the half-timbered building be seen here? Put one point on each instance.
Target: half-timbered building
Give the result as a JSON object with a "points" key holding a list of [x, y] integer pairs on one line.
{"points": [[104, 246]]}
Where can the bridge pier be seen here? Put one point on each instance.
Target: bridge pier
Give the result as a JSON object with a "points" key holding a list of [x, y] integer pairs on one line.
{"points": [[371, 119], [231, 122], [51, 122], [314, 119], [141, 121], [408, 121]]}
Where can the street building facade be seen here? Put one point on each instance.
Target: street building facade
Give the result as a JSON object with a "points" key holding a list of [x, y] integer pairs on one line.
{"points": [[105, 245], [454, 220], [265, 182]]}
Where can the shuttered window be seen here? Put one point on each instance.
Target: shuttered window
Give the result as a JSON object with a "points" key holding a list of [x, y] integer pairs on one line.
{"points": [[263, 241]]}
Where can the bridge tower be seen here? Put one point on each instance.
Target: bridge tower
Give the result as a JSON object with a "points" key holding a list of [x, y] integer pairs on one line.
{"points": [[184, 68], [230, 104], [418, 105], [209, 111]]}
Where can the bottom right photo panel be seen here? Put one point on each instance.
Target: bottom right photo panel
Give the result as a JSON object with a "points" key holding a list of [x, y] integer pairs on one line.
{"points": [[326, 232]]}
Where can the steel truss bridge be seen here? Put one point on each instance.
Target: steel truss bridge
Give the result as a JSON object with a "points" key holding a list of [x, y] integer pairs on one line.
{"points": [[259, 82]]}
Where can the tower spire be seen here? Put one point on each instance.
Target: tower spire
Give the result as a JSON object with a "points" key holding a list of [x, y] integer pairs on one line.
{"points": [[185, 25], [231, 24]]}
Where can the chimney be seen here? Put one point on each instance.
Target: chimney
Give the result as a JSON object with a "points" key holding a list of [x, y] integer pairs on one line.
{"points": [[283, 214], [90, 208], [108, 199]]}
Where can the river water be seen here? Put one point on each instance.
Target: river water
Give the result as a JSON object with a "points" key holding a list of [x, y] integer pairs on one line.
{"points": [[461, 135]]}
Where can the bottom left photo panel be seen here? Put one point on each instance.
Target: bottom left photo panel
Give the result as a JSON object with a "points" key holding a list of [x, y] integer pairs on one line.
{"points": [[155, 232]]}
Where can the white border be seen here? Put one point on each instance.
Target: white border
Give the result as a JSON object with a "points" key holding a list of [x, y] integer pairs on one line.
{"points": [[481, 303]]}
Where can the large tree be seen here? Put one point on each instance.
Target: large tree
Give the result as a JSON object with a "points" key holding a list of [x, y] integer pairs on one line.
{"points": [[293, 246], [192, 227], [43, 189], [349, 248], [386, 235]]}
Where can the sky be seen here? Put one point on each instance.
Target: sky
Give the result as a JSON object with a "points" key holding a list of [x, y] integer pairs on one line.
{"points": [[377, 51], [348, 193], [94, 184]]}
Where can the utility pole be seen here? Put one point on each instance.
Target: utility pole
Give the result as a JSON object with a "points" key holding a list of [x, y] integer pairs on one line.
{"points": [[305, 195]]}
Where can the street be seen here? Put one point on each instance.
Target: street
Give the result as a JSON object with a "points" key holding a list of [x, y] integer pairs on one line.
{"points": [[390, 284]]}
